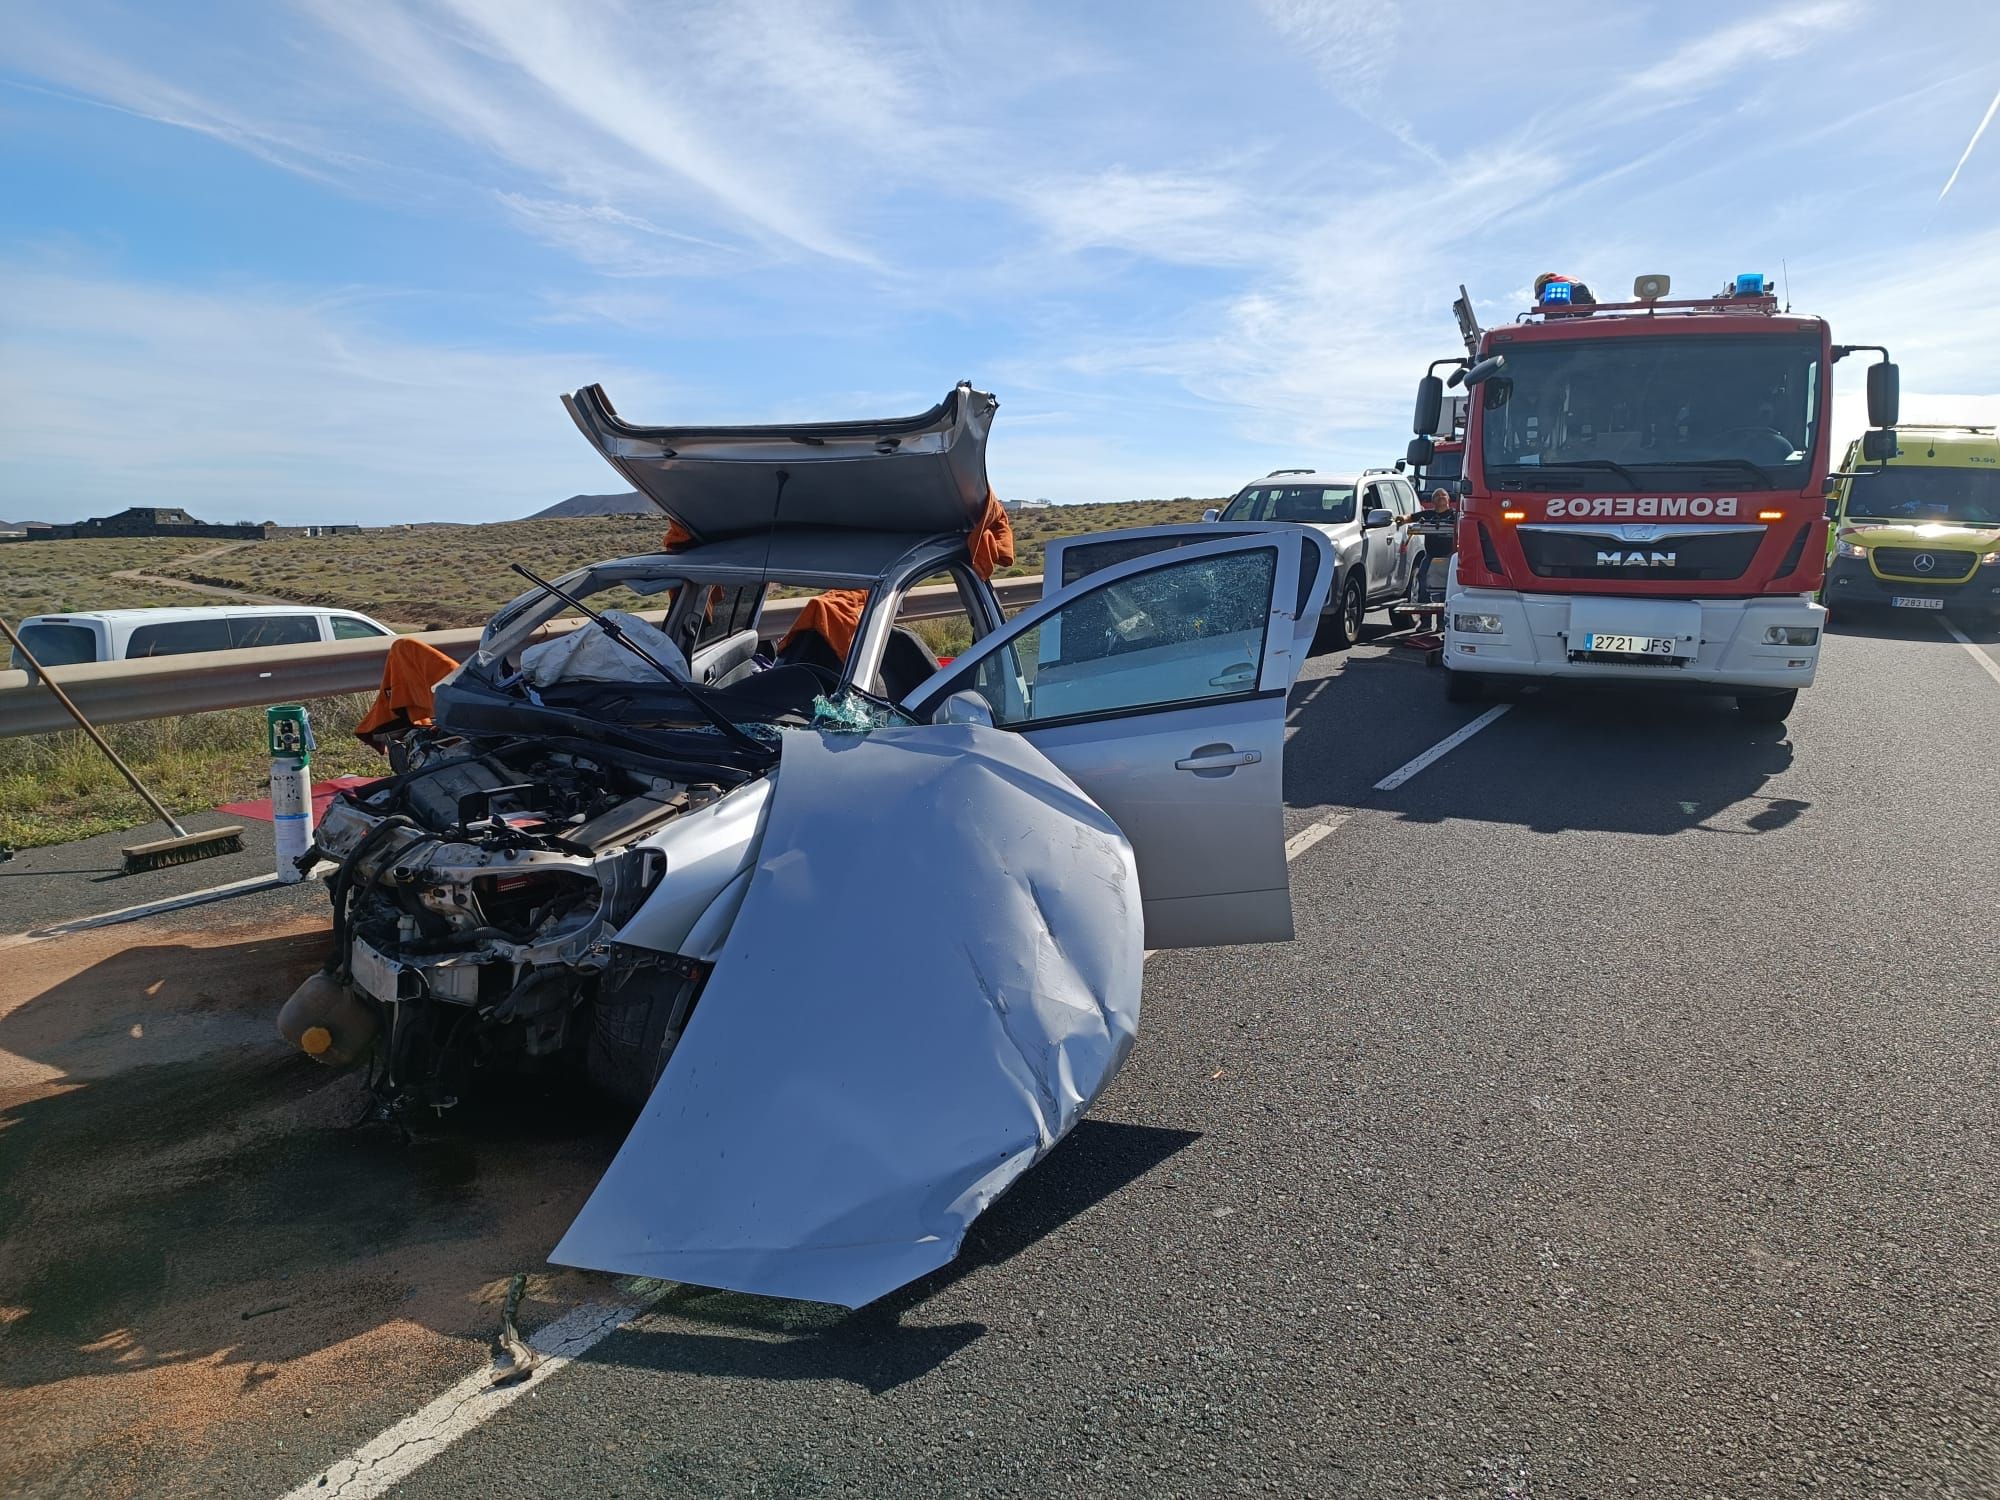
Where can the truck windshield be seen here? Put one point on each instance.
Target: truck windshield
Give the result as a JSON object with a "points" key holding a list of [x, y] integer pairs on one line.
{"points": [[1629, 413], [1910, 493]]}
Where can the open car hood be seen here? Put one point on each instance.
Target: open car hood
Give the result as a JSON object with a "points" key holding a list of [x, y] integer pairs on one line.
{"points": [[896, 1028], [924, 474]]}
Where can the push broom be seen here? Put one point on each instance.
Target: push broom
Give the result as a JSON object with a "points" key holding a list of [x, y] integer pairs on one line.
{"points": [[184, 847]]}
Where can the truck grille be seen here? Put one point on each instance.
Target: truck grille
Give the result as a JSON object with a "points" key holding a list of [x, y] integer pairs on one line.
{"points": [[1945, 565], [1558, 552]]}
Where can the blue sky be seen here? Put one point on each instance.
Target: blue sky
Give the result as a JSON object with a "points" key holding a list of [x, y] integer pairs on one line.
{"points": [[335, 259]]}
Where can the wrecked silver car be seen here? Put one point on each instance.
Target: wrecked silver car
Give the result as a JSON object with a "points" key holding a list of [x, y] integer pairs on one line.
{"points": [[858, 934]]}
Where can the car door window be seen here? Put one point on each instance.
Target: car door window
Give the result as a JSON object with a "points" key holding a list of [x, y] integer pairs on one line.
{"points": [[179, 638], [272, 630], [346, 628], [1179, 633]]}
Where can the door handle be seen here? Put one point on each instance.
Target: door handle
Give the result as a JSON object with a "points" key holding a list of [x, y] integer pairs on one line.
{"points": [[1221, 758], [1240, 675]]}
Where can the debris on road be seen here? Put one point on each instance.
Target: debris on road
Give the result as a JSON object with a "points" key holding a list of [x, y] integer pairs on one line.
{"points": [[513, 1360]]}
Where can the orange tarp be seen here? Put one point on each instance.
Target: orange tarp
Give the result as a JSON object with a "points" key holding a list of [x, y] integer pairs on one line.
{"points": [[408, 676], [836, 614]]}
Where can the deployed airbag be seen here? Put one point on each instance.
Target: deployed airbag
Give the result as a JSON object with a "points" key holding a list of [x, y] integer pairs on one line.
{"points": [[935, 971], [589, 655]]}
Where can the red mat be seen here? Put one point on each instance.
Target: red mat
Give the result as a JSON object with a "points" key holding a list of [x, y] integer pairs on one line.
{"points": [[322, 794]]}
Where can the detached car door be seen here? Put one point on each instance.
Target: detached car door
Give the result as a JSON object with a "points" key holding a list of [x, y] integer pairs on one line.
{"points": [[1158, 685]]}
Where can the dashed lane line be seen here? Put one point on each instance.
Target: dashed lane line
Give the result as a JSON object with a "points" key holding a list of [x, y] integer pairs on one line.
{"points": [[1311, 834], [421, 1437], [1441, 749], [1971, 645]]}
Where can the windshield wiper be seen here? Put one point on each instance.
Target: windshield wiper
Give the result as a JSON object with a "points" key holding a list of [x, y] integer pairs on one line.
{"points": [[724, 725], [1603, 465], [1742, 465]]}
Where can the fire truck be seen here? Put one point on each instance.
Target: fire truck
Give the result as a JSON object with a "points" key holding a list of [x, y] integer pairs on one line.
{"points": [[1646, 492]]}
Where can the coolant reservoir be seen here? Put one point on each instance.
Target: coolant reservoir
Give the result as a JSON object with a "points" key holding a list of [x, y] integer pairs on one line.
{"points": [[327, 1021]]}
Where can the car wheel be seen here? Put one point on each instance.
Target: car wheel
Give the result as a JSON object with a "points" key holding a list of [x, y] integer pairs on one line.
{"points": [[634, 1026], [1462, 687], [1343, 629], [1768, 708]]}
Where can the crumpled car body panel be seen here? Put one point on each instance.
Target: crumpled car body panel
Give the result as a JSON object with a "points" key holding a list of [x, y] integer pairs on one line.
{"points": [[935, 971]]}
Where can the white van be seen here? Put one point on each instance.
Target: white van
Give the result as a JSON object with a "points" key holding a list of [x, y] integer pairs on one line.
{"points": [[67, 640]]}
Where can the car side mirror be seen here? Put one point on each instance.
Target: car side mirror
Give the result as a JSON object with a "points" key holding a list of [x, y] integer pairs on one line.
{"points": [[1211, 514], [1420, 453], [1430, 405], [1879, 446], [1833, 507], [964, 707], [1375, 520], [1885, 389]]}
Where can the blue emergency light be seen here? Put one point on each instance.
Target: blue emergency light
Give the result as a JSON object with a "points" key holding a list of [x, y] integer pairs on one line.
{"points": [[1750, 284], [1556, 292]]}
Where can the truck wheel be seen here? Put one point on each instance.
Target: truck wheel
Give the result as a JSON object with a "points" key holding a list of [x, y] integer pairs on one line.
{"points": [[1343, 627], [1462, 687], [1768, 708]]}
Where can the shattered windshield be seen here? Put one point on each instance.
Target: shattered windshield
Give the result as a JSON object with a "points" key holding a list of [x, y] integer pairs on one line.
{"points": [[1628, 413], [1912, 493]]}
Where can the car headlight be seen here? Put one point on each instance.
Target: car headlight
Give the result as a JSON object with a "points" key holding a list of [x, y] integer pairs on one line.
{"points": [[1990, 560], [1791, 635], [1477, 624], [1849, 549]]}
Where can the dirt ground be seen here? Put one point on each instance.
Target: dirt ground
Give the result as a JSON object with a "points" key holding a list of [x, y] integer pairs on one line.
{"points": [[203, 1257]]}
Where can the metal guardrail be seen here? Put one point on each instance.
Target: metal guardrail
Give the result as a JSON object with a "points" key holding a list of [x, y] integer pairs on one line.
{"points": [[162, 687]]}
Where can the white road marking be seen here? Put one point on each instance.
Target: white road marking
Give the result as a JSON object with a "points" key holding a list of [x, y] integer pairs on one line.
{"points": [[1442, 748], [1311, 834], [1971, 645], [417, 1439]]}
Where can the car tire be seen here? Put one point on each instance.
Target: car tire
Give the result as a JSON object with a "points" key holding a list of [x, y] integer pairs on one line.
{"points": [[1342, 628], [1462, 687], [1768, 708], [634, 1029]]}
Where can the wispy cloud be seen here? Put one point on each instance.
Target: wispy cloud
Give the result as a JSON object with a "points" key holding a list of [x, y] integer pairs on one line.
{"points": [[1198, 218], [1966, 155], [1767, 36]]}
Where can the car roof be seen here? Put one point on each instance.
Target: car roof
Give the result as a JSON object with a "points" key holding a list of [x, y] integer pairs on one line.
{"points": [[1940, 446], [171, 613], [920, 475], [1316, 476]]}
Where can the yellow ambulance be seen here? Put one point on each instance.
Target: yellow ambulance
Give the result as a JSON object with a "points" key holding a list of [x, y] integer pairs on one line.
{"points": [[1921, 532]]}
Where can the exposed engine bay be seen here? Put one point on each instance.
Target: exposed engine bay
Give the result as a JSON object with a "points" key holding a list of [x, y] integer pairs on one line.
{"points": [[479, 901]]}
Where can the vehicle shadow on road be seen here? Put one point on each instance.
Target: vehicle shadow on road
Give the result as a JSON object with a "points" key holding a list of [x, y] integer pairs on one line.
{"points": [[872, 1347], [1561, 762]]}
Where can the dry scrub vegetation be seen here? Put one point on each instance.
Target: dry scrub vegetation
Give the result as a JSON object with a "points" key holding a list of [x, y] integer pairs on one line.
{"points": [[54, 788], [59, 787]]}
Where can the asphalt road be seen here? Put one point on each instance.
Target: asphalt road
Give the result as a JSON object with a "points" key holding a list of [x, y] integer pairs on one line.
{"points": [[1624, 1119]]}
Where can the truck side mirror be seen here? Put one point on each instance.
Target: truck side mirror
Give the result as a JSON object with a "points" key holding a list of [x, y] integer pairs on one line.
{"points": [[1885, 388], [1375, 520], [1420, 453], [1430, 406], [1211, 514], [1879, 446], [1485, 370]]}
